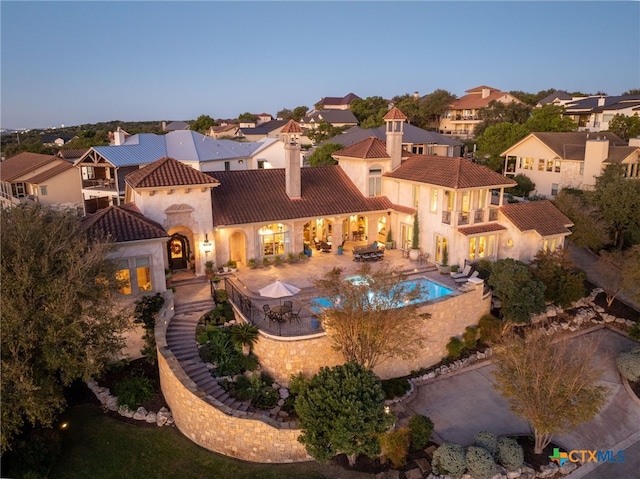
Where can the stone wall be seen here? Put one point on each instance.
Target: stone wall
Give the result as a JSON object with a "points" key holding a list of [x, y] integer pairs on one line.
{"points": [[282, 356]]}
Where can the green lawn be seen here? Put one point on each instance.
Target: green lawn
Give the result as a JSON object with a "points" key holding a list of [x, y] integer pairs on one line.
{"points": [[98, 446]]}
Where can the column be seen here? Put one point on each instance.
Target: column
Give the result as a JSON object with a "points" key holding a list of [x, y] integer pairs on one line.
{"points": [[337, 235]]}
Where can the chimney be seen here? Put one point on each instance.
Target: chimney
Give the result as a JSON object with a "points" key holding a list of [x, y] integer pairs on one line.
{"points": [[164, 126], [118, 137], [601, 101], [416, 95], [394, 121], [635, 142], [292, 159], [486, 92], [595, 153]]}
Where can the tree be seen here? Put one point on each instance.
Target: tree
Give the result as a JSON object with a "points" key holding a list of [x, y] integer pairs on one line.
{"points": [[563, 284], [625, 126], [520, 293], [436, 103], [341, 410], [202, 124], [369, 111], [412, 109], [246, 116], [499, 112], [324, 131], [553, 385], [550, 118], [524, 186], [633, 91], [620, 271], [86, 139], [618, 200], [496, 139], [589, 229], [59, 322], [322, 155], [296, 114], [371, 319]]}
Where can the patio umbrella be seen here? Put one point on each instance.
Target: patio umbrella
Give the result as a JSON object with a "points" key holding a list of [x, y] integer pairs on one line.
{"points": [[279, 290]]}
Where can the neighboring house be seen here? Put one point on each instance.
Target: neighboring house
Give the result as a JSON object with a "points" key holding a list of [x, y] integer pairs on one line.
{"points": [[414, 140], [175, 126], [462, 115], [557, 160], [53, 139], [225, 131], [595, 112], [337, 103], [454, 198], [559, 98], [337, 118], [263, 118], [117, 137], [141, 248], [103, 168], [46, 179], [269, 129], [72, 155]]}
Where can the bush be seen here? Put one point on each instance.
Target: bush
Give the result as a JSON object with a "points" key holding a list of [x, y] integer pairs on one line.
{"points": [[202, 338], [394, 446], [221, 296], [480, 463], [489, 329], [420, 429], [470, 337], [628, 363], [450, 459], [488, 441], [634, 332], [455, 347], [396, 387], [132, 392], [510, 454]]}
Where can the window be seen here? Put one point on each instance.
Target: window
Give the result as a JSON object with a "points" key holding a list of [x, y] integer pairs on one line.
{"points": [[549, 165], [375, 181], [511, 164], [134, 274], [261, 164], [482, 246], [272, 239], [441, 244], [550, 245], [416, 196], [43, 191], [418, 150], [540, 164], [227, 166], [18, 190], [434, 200], [557, 168], [482, 199], [526, 163], [554, 189]]}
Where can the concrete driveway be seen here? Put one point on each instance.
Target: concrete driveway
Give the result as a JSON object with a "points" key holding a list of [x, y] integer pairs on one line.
{"points": [[466, 402]]}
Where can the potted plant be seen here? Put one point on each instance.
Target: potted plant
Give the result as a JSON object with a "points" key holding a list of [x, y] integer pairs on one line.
{"points": [[266, 261], [252, 263], [216, 280], [244, 336], [277, 261], [291, 258], [232, 265], [444, 266], [390, 244], [302, 256], [208, 269], [454, 268], [415, 239]]}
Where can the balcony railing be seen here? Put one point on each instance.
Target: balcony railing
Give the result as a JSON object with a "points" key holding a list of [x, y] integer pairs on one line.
{"points": [[463, 219], [493, 214], [446, 217], [105, 184], [478, 216]]}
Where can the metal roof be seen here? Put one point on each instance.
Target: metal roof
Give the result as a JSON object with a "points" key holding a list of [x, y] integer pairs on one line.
{"points": [[411, 134], [182, 145]]}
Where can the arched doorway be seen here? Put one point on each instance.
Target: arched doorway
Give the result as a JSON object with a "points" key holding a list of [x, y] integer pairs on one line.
{"points": [[178, 251], [237, 247]]}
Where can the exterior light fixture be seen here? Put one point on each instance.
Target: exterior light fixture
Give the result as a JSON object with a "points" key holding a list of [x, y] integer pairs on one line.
{"points": [[206, 245]]}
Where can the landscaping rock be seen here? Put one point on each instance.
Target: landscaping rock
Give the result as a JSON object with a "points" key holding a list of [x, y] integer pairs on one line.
{"points": [[125, 411], [284, 393], [548, 471], [424, 465], [151, 417], [413, 474], [430, 450], [568, 467], [112, 403], [514, 474], [140, 414], [280, 402]]}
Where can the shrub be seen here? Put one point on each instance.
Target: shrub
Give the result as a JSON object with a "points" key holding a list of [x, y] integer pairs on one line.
{"points": [[297, 383], [132, 392], [455, 347], [480, 463], [277, 261], [202, 338], [144, 313], [634, 332], [221, 296], [394, 446], [264, 396], [248, 363], [483, 267], [450, 459], [510, 453], [489, 329], [266, 261], [396, 387], [291, 258], [487, 440], [628, 363], [420, 429], [470, 337]]}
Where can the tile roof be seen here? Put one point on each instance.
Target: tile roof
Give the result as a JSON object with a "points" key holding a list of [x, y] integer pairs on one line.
{"points": [[23, 163], [73, 154], [259, 196], [291, 127], [448, 172], [50, 173], [404, 209], [479, 229], [539, 216], [370, 148], [168, 172], [122, 224], [411, 134], [475, 100], [617, 154], [559, 95], [394, 114]]}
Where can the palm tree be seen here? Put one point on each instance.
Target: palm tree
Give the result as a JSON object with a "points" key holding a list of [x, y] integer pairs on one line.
{"points": [[244, 336]]}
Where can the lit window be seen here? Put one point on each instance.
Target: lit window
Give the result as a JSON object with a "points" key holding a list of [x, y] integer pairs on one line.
{"points": [[143, 274], [434, 200], [550, 165], [123, 277], [557, 168], [134, 274], [554, 189], [540, 164]]}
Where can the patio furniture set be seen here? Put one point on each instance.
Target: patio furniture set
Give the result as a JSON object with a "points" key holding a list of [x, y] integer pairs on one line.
{"points": [[369, 252], [282, 313]]}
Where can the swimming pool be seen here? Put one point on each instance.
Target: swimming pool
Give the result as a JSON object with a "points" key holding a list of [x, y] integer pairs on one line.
{"points": [[429, 291]]}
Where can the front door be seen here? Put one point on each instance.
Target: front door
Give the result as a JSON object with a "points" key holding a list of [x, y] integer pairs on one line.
{"points": [[178, 252]]}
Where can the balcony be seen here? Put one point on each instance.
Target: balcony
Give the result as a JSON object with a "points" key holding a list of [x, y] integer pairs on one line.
{"points": [[493, 214], [446, 217], [463, 219], [478, 216], [102, 184]]}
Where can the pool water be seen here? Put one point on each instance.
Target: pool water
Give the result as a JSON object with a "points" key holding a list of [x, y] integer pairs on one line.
{"points": [[428, 292]]}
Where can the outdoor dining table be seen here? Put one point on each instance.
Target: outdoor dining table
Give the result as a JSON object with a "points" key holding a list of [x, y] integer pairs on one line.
{"points": [[367, 253], [281, 311]]}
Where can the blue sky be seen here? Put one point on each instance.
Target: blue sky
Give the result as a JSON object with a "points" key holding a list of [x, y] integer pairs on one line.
{"points": [[82, 62]]}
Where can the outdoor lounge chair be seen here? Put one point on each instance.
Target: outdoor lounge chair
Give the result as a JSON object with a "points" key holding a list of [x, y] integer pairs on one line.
{"points": [[465, 279], [464, 274], [325, 247]]}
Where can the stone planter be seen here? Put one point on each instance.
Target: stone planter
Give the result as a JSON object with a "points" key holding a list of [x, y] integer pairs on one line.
{"points": [[413, 254], [444, 269]]}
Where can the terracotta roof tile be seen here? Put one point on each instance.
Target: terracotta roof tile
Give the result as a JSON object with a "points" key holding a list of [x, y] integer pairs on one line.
{"points": [[404, 209], [122, 224], [372, 147], [454, 173], [539, 216], [394, 114], [23, 163], [258, 196], [479, 229], [475, 101], [168, 172], [291, 127]]}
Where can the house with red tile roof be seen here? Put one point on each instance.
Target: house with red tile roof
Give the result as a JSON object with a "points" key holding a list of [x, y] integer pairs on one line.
{"points": [[33, 177], [558, 160], [463, 114]]}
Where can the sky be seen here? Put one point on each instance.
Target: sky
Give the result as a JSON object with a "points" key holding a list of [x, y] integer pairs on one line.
{"points": [[77, 62]]}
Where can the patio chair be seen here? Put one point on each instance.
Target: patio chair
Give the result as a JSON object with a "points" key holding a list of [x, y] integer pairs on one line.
{"points": [[464, 274], [288, 305], [325, 247], [295, 315], [268, 314], [465, 278]]}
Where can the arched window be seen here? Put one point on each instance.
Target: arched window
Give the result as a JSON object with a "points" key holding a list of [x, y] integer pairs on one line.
{"points": [[273, 239]]}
